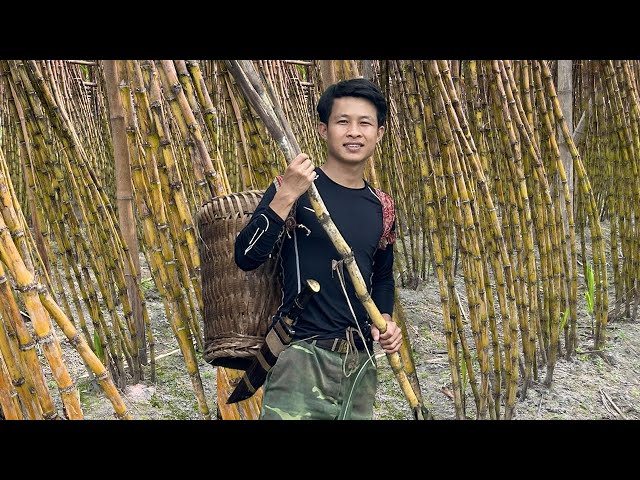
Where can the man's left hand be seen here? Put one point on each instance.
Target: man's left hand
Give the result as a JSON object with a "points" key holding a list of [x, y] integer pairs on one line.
{"points": [[391, 340]]}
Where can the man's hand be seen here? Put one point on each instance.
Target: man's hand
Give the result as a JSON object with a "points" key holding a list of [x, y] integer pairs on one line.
{"points": [[296, 180], [391, 340]]}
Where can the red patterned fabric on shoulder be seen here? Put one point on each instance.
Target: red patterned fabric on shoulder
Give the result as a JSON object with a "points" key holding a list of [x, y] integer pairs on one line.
{"points": [[388, 218]]}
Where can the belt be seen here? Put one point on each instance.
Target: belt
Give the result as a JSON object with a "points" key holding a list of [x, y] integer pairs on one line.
{"points": [[339, 345]]}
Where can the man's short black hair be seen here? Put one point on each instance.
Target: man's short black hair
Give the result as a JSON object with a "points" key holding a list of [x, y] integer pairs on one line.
{"points": [[356, 87]]}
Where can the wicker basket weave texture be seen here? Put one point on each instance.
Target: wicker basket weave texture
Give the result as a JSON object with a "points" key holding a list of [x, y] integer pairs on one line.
{"points": [[238, 305]]}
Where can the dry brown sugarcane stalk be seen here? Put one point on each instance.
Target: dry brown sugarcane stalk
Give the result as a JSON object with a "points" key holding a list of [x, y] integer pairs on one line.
{"points": [[124, 194], [244, 72]]}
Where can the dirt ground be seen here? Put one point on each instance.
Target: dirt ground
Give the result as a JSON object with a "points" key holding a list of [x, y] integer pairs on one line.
{"points": [[587, 387]]}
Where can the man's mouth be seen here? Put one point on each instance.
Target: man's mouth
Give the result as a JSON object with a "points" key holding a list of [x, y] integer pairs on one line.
{"points": [[353, 146]]}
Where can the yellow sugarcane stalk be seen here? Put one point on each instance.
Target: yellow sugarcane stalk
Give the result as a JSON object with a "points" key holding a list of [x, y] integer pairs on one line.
{"points": [[80, 344], [152, 204], [26, 284], [26, 346], [598, 250], [9, 405], [14, 372]]}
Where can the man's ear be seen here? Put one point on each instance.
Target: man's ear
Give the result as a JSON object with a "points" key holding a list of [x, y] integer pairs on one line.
{"points": [[322, 130], [380, 133]]}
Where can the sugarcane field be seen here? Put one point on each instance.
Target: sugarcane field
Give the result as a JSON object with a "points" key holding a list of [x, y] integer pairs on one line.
{"points": [[125, 183]]}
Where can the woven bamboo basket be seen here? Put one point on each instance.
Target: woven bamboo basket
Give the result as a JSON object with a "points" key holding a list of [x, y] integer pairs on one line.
{"points": [[238, 305]]}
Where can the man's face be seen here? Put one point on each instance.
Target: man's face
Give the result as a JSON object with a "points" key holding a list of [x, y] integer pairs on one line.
{"points": [[352, 130]]}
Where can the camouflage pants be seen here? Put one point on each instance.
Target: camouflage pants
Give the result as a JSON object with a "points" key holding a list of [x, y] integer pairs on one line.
{"points": [[308, 383]]}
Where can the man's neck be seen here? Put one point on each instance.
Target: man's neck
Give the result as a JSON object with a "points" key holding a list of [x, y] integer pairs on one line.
{"points": [[350, 176]]}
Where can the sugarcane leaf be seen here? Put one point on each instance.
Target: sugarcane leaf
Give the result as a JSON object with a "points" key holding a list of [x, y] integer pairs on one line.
{"points": [[98, 347], [563, 319]]}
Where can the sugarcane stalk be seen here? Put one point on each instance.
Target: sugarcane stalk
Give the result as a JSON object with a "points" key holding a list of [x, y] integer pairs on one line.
{"points": [[599, 255], [14, 369], [26, 284], [124, 192], [152, 210], [81, 346], [9, 405], [438, 221], [96, 213], [476, 294], [26, 346]]}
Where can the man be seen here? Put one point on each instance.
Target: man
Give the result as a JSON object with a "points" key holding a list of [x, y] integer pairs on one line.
{"points": [[328, 371]]}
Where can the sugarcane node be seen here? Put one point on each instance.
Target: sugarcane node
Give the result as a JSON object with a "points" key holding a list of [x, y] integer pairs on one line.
{"points": [[349, 257], [28, 287], [76, 339], [45, 339], [27, 346], [68, 389], [17, 382]]}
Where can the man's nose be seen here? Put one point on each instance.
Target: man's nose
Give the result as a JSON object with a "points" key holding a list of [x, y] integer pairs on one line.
{"points": [[354, 130]]}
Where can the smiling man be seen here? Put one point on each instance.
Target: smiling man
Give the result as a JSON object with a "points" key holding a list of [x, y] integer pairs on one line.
{"points": [[328, 371]]}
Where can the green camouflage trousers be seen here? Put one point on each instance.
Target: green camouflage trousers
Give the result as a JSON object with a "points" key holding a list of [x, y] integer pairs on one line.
{"points": [[308, 383]]}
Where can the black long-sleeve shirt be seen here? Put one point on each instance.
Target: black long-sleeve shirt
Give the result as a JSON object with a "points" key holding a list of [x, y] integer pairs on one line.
{"points": [[357, 213]]}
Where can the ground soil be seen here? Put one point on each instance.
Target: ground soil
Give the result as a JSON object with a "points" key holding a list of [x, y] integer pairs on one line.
{"points": [[588, 386]]}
